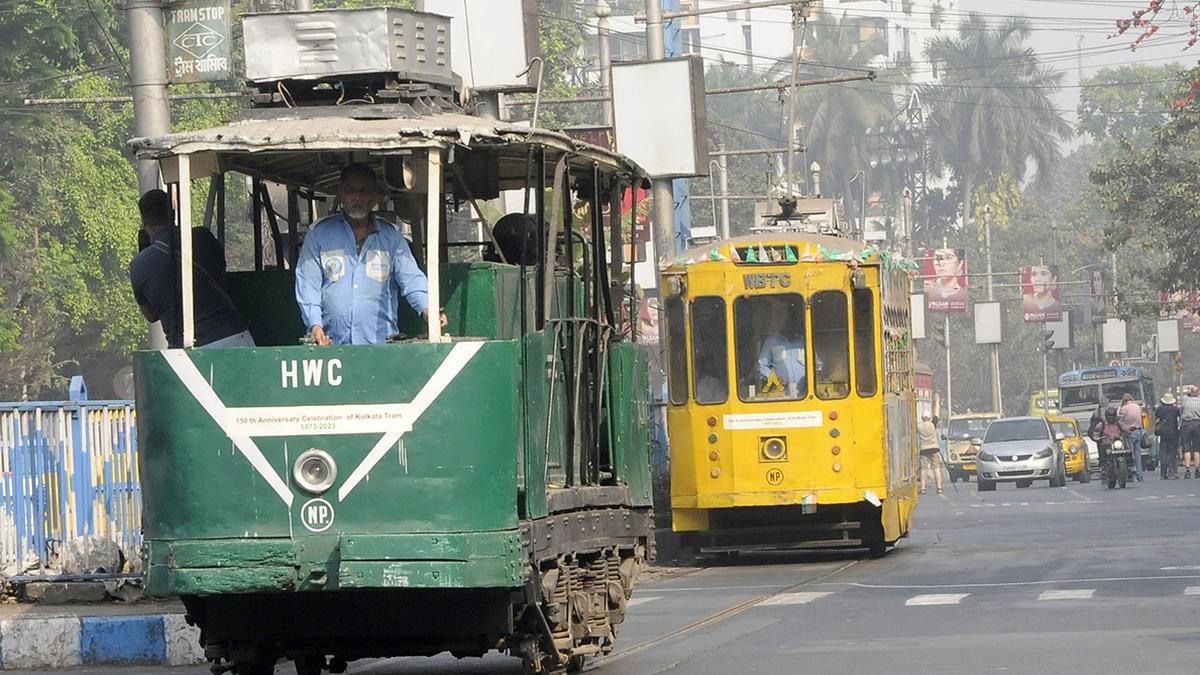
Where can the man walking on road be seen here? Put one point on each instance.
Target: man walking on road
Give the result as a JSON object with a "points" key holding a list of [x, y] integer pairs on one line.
{"points": [[931, 452], [1166, 426], [1189, 432]]}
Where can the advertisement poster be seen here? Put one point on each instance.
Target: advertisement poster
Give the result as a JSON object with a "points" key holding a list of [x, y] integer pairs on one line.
{"points": [[1099, 296], [1183, 306], [1040, 294], [945, 273]]}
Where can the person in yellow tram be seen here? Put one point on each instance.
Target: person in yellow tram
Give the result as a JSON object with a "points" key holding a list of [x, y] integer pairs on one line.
{"points": [[781, 359]]}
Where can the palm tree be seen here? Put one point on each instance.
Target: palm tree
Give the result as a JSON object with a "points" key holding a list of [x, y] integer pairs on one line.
{"points": [[993, 109], [837, 117]]}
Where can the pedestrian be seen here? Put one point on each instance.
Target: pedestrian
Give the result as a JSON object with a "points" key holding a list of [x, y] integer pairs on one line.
{"points": [[154, 270], [1166, 427], [931, 452], [1129, 418], [1189, 431]]}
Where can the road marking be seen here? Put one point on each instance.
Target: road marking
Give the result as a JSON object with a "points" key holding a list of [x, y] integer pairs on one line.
{"points": [[1181, 567], [1076, 594], [1006, 584], [1024, 503], [935, 599], [1147, 498], [1073, 492], [1006, 504], [642, 600], [792, 599], [1192, 590]]}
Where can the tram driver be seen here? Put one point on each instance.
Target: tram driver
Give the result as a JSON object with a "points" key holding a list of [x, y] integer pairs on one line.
{"points": [[782, 354], [354, 266]]}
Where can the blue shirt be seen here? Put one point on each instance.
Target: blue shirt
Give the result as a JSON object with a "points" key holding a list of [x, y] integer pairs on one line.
{"points": [[353, 294], [785, 357]]}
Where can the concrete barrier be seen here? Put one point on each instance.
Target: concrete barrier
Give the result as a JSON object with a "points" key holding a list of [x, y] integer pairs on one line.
{"points": [[31, 642]]}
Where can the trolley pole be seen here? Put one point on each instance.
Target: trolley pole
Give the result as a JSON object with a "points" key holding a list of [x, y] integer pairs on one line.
{"points": [[661, 192], [604, 39], [997, 402]]}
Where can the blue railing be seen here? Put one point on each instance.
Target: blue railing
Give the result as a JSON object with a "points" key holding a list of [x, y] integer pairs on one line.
{"points": [[68, 470]]}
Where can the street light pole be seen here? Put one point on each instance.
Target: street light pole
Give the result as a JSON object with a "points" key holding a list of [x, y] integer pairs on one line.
{"points": [[661, 193], [604, 38], [997, 402], [723, 166], [862, 210]]}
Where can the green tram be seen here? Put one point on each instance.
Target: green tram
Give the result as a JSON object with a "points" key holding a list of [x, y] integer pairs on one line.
{"points": [[486, 491]]}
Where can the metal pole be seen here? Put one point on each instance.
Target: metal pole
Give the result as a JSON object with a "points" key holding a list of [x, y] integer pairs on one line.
{"points": [[723, 165], [949, 379], [604, 37], [661, 193], [995, 348], [303, 5], [797, 37], [151, 111], [148, 80]]}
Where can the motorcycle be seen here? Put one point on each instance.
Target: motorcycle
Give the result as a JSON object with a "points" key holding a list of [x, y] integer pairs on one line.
{"points": [[1115, 463]]}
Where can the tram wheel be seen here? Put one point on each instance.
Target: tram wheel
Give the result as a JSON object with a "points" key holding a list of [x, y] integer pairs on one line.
{"points": [[575, 663]]}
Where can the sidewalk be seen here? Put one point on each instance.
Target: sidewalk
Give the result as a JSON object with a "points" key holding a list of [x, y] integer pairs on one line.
{"points": [[34, 637]]}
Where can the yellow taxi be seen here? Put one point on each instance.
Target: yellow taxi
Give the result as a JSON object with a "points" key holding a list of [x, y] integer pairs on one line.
{"points": [[1070, 441], [960, 451]]}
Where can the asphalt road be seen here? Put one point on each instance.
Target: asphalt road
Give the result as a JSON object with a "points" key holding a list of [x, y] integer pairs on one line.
{"points": [[1067, 580]]}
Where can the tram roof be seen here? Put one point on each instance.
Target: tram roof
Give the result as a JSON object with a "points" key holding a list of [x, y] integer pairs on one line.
{"points": [[288, 145], [699, 254]]}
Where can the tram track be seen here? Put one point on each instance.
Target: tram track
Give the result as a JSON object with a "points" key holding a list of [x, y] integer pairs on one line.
{"points": [[713, 618]]}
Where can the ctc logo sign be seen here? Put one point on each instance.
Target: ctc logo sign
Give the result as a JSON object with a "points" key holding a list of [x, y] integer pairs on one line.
{"points": [[316, 515], [774, 476]]}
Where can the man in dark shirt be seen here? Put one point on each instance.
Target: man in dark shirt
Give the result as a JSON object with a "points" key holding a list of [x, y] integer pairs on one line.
{"points": [[154, 275], [1166, 425]]}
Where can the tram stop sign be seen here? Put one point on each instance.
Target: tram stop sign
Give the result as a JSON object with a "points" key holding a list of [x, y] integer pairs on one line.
{"points": [[199, 39]]}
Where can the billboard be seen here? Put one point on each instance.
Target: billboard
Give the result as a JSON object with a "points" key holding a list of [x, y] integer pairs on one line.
{"points": [[945, 274], [1040, 294], [1099, 296]]}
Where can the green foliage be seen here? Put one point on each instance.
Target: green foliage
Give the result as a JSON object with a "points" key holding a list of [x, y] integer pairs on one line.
{"points": [[1152, 191], [993, 110], [1127, 101]]}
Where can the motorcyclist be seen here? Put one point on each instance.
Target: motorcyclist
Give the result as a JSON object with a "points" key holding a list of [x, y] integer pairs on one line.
{"points": [[1105, 430]]}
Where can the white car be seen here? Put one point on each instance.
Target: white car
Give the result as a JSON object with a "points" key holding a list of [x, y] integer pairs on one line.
{"points": [[1019, 450]]}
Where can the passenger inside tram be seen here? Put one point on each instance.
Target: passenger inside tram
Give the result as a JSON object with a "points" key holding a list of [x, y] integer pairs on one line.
{"points": [[774, 326]]}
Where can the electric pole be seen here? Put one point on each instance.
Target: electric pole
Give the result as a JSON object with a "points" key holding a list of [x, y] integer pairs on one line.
{"points": [[799, 23], [148, 80], [723, 166], [661, 193], [151, 110], [604, 38], [997, 402]]}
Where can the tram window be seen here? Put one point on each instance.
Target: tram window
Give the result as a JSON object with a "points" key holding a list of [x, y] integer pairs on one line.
{"points": [[864, 342], [677, 379], [831, 344], [710, 350], [769, 338]]}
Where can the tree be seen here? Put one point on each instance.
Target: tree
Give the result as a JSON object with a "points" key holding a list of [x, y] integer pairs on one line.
{"points": [[1126, 101], [836, 118], [1152, 191], [993, 110]]}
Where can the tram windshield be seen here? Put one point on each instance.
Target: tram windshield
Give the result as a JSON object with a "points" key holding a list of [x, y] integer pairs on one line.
{"points": [[710, 350], [772, 354], [1089, 395]]}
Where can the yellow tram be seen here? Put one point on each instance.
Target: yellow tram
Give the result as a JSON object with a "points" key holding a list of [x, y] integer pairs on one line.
{"points": [[791, 400]]}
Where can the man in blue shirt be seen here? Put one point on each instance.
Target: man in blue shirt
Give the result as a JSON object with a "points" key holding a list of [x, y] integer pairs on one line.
{"points": [[353, 268], [783, 352]]}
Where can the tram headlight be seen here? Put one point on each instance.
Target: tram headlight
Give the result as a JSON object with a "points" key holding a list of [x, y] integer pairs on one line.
{"points": [[773, 448], [314, 471]]}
